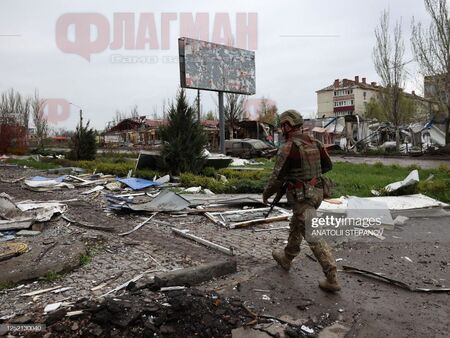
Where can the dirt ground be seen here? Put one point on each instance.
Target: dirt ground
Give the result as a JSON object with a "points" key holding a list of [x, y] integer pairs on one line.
{"points": [[364, 308]]}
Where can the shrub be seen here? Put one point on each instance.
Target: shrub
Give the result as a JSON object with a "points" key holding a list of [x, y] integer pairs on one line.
{"points": [[184, 139], [83, 144]]}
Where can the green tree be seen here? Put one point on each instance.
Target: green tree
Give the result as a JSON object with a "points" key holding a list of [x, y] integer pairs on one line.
{"points": [[83, 145], [183, 137], [406, 110], [210, 115]]}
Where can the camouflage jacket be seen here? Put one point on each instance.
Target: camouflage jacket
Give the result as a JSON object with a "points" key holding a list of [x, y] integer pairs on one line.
{"points": [[289, 162]]}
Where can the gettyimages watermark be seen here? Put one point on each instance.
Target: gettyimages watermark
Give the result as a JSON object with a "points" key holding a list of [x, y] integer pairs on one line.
{"points": [[85, 34], [337, 227]]}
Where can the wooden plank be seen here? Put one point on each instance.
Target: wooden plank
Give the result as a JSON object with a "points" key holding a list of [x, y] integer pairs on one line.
{"points": [[186, 234]]}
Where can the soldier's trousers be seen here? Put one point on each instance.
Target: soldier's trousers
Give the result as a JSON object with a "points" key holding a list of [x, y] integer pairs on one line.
{"points": [[303, 212]]}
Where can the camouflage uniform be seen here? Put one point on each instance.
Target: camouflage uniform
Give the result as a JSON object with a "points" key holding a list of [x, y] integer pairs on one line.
{"points": [[299, 160]]}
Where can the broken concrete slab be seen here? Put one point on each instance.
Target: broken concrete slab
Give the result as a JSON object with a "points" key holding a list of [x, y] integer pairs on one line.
{"points": [[42, 259], [195, 275]]}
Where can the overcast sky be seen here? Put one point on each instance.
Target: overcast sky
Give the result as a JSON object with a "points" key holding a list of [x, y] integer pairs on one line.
{"points": [[302, 46]]}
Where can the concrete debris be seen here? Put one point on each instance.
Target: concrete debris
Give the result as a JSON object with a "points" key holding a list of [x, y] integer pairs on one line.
{"points": [[52, 307], [163, 179], [400, 220], [192, 190], [95, 189], [195, 275], [113, 186], [307, 329]]}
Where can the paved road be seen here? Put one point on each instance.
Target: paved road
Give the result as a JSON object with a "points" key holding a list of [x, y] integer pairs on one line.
{"points": [[401, 161]]}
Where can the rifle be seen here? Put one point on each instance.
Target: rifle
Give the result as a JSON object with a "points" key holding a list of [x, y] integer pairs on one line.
{"points": [[277, 197]]}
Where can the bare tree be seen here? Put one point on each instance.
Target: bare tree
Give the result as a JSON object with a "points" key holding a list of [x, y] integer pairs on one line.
{"points": [[431, 47], [134, 114], [39, 120], [14, 120], [268, 112], [233, 111], [388, 60]]}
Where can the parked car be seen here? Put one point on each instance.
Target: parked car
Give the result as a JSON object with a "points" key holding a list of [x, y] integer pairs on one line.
{"points": [[249, 148]]}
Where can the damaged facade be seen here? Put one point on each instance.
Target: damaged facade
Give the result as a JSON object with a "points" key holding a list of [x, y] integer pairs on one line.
{"points": [[144, 133], [343, 121]]}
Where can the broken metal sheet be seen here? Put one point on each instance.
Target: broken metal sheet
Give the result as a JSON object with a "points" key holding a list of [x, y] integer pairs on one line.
{"points": [[163, 179], [30, 205], [46, 185], [360, 208], [411, 179], [382, 277], [137, 183], [166, 201], [241, 218]]}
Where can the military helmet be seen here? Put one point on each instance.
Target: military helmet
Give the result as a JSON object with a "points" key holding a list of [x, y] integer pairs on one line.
{"points": [[292, 117]]}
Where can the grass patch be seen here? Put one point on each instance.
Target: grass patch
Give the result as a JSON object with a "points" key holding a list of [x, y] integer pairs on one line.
{"points": [[85, 258], [52, 276], [34, 164], [349, 178], [7, 285]]}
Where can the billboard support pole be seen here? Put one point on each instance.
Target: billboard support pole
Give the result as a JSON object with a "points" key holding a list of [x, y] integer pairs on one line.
{"points": [[221, 124], [198, 105]]}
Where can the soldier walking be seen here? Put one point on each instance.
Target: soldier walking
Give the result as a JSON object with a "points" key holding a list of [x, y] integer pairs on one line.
{"points": [[300, 162]]}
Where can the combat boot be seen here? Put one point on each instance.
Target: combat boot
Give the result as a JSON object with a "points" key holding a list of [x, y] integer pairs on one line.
{"points": [[280, 257], [330, 283]]}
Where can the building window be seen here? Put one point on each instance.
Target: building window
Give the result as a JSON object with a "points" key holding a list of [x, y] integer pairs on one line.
{"points": [[365, 95]]}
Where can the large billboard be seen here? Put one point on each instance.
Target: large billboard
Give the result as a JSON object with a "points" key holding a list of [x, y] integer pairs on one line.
{"points": [[210, 66]]}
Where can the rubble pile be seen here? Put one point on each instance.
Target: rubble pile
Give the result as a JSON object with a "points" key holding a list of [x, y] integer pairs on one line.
{"points": [[143, 313]]}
